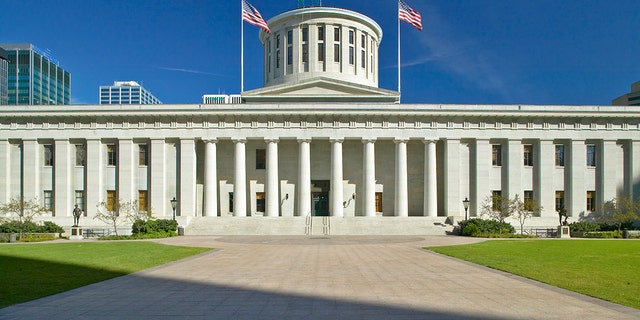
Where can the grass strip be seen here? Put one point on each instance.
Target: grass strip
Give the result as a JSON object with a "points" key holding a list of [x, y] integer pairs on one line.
{"points": [[605, 269], [31, 271]]}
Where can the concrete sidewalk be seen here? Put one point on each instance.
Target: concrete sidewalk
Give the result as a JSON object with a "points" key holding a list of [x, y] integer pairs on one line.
{"points": [[347, 277]]}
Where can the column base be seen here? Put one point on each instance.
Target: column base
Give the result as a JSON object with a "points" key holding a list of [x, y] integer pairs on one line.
{"points": [[563, 232]]}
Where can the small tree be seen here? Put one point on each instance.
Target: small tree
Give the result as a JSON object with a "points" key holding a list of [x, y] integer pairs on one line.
{"points": [[21, 210], [523, 210], [134, 213], [618, 211], [496, 207], [120, 213]]}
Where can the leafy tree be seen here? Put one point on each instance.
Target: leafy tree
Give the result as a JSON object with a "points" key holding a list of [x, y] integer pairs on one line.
{"points": [[496, 207], [618, 211], [120, 213], [523, 210], [22, 211]]}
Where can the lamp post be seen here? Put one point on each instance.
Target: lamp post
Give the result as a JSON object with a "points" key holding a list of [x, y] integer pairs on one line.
{"points": [[465, 203], [173, 206]]}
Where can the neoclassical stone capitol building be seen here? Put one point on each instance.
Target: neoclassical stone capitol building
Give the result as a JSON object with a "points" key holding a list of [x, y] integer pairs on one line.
{"points": [[319, 139]]}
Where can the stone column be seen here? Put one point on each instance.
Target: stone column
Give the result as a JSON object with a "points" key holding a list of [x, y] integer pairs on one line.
{"points": [[575, 192], [514, 168], [337, 193], [401, 191], [544, 169], [5, 171], [271, 189], [240, 179], [159, 201], [127, 190], [188, 162], [304, 176], [479, 190], [94, 175], [452, 198], [369, 178], [606, 177], [31, 162], [430, 206], [62, 179], [210, 179], [633, 177]]}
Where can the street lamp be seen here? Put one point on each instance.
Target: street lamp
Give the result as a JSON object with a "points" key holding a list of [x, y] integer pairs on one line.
{"points": [[173, 206], [465, 203]]}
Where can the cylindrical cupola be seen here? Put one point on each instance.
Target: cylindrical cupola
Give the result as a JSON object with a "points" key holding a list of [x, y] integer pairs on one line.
{"points": [[319, 42]]}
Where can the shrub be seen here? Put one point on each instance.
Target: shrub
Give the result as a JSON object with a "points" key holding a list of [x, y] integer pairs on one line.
{"points": [[614, 227], [584, 226], [153, 226], [50, 227], [36, 237], [480, 227], [602, 234]]}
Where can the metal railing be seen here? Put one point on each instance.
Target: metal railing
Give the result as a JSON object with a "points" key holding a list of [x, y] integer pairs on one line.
{"points": [[326, 225]]}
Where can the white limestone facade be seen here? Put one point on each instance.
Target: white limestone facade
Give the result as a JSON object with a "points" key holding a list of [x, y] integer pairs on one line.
{"points": [[343, 160]]}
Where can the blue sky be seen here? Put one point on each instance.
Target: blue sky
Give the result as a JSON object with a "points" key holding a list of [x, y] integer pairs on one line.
{"points": [[574, 52]]}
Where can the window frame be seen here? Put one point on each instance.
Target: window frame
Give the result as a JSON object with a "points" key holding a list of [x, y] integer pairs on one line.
{"points": [[559, 155], [496, 155], [591, 155], [48, 155], [528, 155]]}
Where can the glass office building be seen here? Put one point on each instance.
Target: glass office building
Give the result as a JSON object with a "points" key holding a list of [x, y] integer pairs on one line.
{"points": [[4, 69], [35, 77], [126, 92]]}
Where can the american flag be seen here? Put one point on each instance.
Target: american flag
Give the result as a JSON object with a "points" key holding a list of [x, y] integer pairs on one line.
{"points": [[250, 14], [407, 14]]}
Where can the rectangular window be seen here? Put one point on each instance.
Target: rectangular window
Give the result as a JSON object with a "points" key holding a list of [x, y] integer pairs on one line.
{"points": [[143, 152], [496, 199], [528, 200], [363, 59], [351, 36], [289, 37], [320, 51], [305, 53], [143, 200], [320, 33], [48, 155], [336, 34], [111, 155], [305, 34], [260, 203], [230, 201], [378, 201], [363, 42], [80, 201], [261, 158], [278, 59], [559, 200], [289, 55], [496, 155], [591, 201], [528, 155], [48, 200], [559, 155], [336, 53], [111, 200], [591, 155], [81, 152], [351, 59]]}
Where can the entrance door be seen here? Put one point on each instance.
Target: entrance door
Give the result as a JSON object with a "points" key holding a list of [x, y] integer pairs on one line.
{"points": [[320, 204]]}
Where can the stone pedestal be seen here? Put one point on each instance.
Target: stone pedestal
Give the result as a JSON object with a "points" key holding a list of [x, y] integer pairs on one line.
{"points": [[563, 232], [76, 233]]}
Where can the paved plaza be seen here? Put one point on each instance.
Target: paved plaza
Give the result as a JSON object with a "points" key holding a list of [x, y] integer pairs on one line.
{"points": [[346, 277]]}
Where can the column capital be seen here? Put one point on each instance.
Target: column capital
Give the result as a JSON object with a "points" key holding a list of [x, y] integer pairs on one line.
{"points": [[400, 140], [274, 140], [336, 140], [60, 139], [369, 140], [307, 140], [239, 140], [210, 140], [429, 140]]}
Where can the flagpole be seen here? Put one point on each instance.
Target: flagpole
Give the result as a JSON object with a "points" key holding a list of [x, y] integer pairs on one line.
{"points": [[241, 49], [400, 92]]}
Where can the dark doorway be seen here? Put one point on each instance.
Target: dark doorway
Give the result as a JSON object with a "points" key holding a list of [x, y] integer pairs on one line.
{"points": [[320, 204]]}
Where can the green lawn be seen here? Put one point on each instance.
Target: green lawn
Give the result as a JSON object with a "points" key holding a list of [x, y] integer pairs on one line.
{"points": [[606, 269], [31, 271]]}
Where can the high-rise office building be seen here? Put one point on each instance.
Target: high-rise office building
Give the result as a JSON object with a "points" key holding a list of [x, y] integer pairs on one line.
{"points": [[126, 92], [35, 77], [630, 99], [4, 69]]}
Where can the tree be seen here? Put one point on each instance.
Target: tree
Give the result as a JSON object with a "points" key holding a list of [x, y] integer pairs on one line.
{"points": [[21, 210], [120, 212], [618, 211], [523, 210], [496, 207]]}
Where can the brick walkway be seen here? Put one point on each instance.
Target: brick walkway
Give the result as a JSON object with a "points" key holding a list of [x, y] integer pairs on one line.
{"points": [[335, 278]]}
